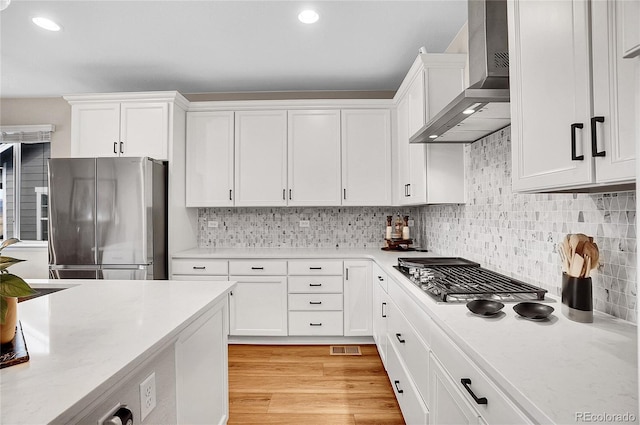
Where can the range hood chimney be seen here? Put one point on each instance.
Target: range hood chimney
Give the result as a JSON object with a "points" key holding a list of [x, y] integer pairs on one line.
{"points": [[483, 108]]}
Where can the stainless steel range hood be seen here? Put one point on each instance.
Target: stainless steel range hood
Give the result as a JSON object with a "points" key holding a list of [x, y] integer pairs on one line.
{"points": [[483, 108]]}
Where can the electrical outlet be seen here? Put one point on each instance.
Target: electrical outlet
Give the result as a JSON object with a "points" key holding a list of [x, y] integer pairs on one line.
{"points": [[147, 396], [212, 223], [411, 222], [305, 223]]}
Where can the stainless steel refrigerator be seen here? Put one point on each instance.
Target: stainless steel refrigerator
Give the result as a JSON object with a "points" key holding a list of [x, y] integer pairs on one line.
{"points": [[107, 218]]}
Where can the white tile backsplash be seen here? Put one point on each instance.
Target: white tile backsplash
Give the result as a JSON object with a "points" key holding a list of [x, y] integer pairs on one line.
{"points": [[518, 233]]}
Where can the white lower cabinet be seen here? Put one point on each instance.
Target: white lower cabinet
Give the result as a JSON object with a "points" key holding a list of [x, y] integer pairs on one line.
{"points": [[470, 384], [201, 370], [358, 298], [315, 298], [258, 306], [414, 410], [448, 405], [380, 312]]}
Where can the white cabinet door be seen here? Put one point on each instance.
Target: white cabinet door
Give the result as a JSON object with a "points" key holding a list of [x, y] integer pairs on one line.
{"points": [[144, 129], [258, 306], [630, 28], [358, 298], [366, 157], [416, 101], [550, 88], [614, 86], [201, 368], [209, 162], [314, 158], [261, 158], [95, 130], [447, 405]]}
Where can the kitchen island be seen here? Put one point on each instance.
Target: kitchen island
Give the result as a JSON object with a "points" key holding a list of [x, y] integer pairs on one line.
{"points": [[550, 371], [93, 344]]}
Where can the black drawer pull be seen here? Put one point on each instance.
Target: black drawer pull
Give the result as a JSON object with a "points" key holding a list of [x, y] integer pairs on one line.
{"points": [[573, 142], [402, 341], [466, 383], [380, 278], [384, 313], [315, 268], [115, 147], [257, 268], [315, 324], [121, 147], [199, 267], [315, 302], [395, 383], [594, 137], [315, 284]]}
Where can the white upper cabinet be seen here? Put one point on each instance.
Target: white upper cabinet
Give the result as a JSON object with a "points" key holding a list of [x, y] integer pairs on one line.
{"points": [[366, 157], [209, 159], [314, 157], [421, 177], [261, 158], [561, 139], [122, 124]]}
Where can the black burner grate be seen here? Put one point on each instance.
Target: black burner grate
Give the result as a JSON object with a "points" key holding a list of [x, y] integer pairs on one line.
{"points": [[465, 281]]}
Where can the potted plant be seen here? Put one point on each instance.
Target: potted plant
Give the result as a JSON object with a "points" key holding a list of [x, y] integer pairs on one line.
{"points": [[11, 287]]}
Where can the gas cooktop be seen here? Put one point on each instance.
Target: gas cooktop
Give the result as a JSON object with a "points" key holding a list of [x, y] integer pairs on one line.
{"points": [[455, 279]]}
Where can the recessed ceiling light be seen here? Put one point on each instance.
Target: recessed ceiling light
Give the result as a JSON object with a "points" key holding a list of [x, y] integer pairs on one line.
{"points": [[46, 23], [4, 4], [433, 136], [468, 111], [308, 16]]}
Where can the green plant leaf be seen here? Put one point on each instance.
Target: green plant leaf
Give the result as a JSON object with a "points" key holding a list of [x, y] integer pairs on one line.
{"points": [[13, 286], [8, 261], [8, 242], [3, 310]]}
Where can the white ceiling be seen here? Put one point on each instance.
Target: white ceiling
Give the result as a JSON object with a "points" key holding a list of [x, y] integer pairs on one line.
{"points": [[218, 46]]}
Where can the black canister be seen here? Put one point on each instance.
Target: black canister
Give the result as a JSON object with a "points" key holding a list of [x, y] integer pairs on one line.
{"points": [[577, 298]]}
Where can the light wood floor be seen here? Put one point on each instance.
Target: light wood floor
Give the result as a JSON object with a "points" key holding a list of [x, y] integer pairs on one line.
{"points": [[304, 385]]}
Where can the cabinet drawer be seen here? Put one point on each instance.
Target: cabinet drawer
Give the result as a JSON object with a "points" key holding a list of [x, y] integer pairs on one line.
{"points": [[412, 350], [257, 267], [413, 408], [499, 409], [313, 284], [315, 267], [315, 323], [199, 278], [411, 310], [315, 302], [380, 277], [199, 266]]}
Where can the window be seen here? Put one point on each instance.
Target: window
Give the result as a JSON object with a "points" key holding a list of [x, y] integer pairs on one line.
{"points": [[23, 187]]}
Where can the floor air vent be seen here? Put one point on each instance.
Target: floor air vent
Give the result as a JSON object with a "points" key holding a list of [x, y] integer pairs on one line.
{"points": [[344, 350]]}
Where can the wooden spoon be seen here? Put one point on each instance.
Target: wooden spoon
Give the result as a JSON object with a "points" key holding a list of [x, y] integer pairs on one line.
{"points": [[576, 265], [590, 249], [564, 256], [575, 239]]}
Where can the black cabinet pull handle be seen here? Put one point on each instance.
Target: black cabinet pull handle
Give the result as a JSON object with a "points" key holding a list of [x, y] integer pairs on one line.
{"points": [[315, 302], [284, 197], [344, 193], [409, 189], [289, 194], [380, 278], [594, 137], [315, 324], [315, 284], [574, 126], [231, 293], [402, 341], [121, 147], [466, 383], [347, 274], [395, 383], [315, 268], [257, 268], [230, 198], [115, 146], [383, 312], [199, 267]]}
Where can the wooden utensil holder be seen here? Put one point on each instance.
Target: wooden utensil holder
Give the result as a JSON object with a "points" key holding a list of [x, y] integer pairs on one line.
{"points": [[577, 298]]}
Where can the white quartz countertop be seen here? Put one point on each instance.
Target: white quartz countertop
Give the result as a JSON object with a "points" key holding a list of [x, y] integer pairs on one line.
{"points": [[86, 338], [555, 369]]}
